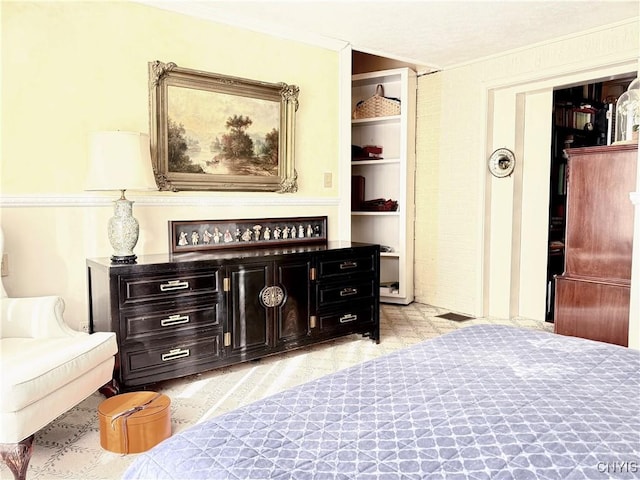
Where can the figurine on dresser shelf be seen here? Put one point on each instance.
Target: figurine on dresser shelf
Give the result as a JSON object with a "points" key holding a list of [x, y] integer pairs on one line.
{"points": [[217, 235], [256, 231]]}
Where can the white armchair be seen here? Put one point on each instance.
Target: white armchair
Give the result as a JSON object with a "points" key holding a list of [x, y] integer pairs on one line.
{"points": [[46, 368]]}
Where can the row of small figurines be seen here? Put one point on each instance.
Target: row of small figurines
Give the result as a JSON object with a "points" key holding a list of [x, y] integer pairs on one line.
{"points": [[258, 234]]}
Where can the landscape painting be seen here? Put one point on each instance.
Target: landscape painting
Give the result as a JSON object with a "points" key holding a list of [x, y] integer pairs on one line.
{"points": [[221, 134], [213, 132]]}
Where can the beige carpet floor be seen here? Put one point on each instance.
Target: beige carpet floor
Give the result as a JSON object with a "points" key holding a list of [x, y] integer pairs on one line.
{"points": [[69, 448]]}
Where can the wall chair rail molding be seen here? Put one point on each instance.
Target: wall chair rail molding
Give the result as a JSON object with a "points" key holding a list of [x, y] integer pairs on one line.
{"points": [[161, 200]]}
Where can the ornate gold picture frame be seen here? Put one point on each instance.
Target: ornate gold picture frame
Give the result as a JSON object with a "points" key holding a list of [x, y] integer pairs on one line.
{"points": [[216, 132]]}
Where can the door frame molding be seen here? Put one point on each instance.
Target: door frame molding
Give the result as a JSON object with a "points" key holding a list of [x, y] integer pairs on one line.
{"points": [[500, 282]]}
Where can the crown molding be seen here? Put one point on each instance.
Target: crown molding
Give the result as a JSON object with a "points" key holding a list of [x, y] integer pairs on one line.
{"points": [[203, 11], [161, 200]]}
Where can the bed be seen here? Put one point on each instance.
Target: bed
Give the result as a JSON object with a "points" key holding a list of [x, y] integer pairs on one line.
{"points": [[485, 401]]}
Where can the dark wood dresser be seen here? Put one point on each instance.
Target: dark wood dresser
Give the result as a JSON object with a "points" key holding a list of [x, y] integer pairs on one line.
{"points": [[181, 314], [593, 293]]}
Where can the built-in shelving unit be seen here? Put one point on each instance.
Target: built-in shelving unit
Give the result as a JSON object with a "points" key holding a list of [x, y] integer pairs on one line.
{"points": [[390, 178]]}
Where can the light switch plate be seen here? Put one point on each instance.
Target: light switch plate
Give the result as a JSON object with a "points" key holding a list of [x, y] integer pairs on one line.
{"points": [[328, 180]]}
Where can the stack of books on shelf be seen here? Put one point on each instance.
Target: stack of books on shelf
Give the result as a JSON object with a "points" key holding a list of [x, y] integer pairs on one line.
{"points": [[379, 205], [571, 116], [368, 152]]}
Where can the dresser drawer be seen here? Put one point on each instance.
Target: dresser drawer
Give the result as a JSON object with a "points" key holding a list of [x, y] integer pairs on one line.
{"points": [[345, 264], [176, 357], [347, 319], [331, 293], [139, 323], [166, 286]]}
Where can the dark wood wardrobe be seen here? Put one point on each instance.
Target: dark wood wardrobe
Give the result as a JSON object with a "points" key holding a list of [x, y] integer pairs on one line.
{"points": [[592, 294]]}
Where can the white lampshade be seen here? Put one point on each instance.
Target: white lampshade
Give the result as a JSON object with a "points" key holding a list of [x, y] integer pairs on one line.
{"points": [[120, 161]]}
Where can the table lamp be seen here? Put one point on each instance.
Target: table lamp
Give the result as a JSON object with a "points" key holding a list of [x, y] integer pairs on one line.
{"points": [[121, 161]]}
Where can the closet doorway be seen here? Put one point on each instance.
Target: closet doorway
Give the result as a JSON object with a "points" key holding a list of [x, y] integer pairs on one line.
{"points": [[583, 116]]}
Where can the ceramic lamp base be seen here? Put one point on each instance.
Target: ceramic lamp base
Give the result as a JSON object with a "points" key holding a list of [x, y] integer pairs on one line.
{"points": [[123, 231]]}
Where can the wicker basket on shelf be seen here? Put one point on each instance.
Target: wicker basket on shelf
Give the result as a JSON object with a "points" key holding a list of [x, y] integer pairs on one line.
{"points": [[377, 106]]}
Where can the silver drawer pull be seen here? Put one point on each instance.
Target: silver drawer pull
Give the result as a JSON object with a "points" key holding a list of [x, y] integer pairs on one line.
{"points": [[349, 317], [174, 285], [347, 265], [175, 354], [347, 292], [174, 320]]}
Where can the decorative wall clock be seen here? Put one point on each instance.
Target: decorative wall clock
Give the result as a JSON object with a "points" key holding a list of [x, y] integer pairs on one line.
{"points": [[502, 162]]}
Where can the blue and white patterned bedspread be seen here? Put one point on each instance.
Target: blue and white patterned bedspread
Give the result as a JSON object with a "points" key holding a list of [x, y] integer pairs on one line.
{"points": [[485, 401]]}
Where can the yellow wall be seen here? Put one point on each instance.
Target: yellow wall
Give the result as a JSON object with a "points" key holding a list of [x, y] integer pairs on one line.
{"points": [[71, 68]]}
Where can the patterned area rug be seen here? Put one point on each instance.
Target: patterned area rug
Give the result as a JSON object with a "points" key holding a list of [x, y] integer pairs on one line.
{"points": [[69, 447]]}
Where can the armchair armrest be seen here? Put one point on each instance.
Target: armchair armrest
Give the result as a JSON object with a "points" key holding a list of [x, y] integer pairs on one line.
{"points": [[34, 317]]}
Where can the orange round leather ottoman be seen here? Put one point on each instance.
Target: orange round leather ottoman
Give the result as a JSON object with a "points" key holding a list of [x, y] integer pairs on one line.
{"points": [[134, 422]]}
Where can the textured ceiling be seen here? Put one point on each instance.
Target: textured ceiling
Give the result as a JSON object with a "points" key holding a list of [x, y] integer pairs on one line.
{"points": [[431, 34]]}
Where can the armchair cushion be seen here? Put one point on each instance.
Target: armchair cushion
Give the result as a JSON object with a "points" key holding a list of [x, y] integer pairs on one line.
{"points": [[36, 367]]}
